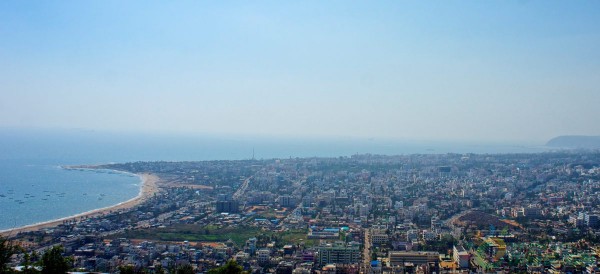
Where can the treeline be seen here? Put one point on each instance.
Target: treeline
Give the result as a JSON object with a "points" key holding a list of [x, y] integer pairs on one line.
{"points": [[54, 262]]}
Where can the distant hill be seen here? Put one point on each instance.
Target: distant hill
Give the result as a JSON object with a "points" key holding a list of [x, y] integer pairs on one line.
{"points": [[575, 141]]}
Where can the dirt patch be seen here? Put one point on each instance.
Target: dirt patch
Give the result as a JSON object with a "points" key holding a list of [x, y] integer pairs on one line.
{"points": [[484, 220]]}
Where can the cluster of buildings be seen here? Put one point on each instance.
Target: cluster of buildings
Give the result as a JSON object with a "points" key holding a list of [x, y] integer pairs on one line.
{"points": [[450, 213]]}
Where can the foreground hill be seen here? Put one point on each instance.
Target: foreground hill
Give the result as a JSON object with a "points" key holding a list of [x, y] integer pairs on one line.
{"points": [[575, 141]]}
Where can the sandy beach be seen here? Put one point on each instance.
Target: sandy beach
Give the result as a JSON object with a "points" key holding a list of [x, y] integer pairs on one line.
{"points": [[148, 188]]}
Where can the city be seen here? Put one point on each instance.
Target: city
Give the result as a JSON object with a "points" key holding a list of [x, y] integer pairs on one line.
{"points": [[297, 137], [421, 213]]}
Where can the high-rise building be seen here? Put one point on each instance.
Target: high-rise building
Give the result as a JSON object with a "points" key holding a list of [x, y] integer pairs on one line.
{"points": [[287, 201], [230, 206], [592, 220]]}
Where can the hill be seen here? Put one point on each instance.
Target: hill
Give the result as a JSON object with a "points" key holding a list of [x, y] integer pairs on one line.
{"points": [[575, 141]]}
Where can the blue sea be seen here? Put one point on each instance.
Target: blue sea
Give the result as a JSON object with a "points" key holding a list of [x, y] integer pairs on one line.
{"points": [[35, 188]]}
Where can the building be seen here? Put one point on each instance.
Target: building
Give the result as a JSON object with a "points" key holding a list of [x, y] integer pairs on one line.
{"points": [[461, 256], [532, 212], [287, 201], [230, 206], [412, 235], [224, 197], [285, 267], [577, 221], [264, 256], [494, 247], [400, 258], [592, 220], [338, 253], [288, 250], [323, 234], [436, 223], [428, 235], [250, 246], [379, 237]]}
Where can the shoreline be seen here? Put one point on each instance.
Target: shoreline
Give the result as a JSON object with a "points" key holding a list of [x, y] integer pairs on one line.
{"points": [[149, 187]]}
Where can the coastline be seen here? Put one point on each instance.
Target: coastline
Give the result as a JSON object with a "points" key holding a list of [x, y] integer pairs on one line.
{"points": [[149, 187]]}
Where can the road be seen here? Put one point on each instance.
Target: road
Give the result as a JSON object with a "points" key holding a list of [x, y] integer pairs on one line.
{"points": [[240, 191], [366, 265]]}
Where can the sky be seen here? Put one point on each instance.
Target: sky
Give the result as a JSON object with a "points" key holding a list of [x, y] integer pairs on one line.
{"points": [[418, 70]]}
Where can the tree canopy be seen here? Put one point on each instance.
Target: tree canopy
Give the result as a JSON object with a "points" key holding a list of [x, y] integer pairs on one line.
{"points": [[231, 267], [53, 262], [7, 249]]}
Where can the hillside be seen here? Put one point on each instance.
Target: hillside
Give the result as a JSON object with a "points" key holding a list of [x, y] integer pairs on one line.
{"points": [[575, 142]]}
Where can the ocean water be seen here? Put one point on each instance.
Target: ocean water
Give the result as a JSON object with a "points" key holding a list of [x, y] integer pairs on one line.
{"points": [[34, 188], [36, 191]]}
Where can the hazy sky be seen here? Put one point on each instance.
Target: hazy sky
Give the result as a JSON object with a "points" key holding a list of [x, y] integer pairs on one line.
{"points": [[457, 70]]}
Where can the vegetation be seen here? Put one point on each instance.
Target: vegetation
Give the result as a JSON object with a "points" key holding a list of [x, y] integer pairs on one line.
{"points": [[231, 267], [443, 246], [193, 233], [7, 249], [238, 235], [53, 262], [126, 269], [185, 269]]}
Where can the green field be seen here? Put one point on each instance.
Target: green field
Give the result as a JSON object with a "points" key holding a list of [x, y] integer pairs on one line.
{"points": [[194, 233], [295, 237]]}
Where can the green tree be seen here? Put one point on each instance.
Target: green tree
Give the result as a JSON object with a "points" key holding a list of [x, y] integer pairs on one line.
{"points": [[28, 268], [231, 267], [185, 269], [159, 269], [126, 269], [7, 249], [130, 269], [53, 262]]}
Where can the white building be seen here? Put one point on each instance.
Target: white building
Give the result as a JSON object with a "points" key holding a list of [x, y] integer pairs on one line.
{"points": [[461, 256]]}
